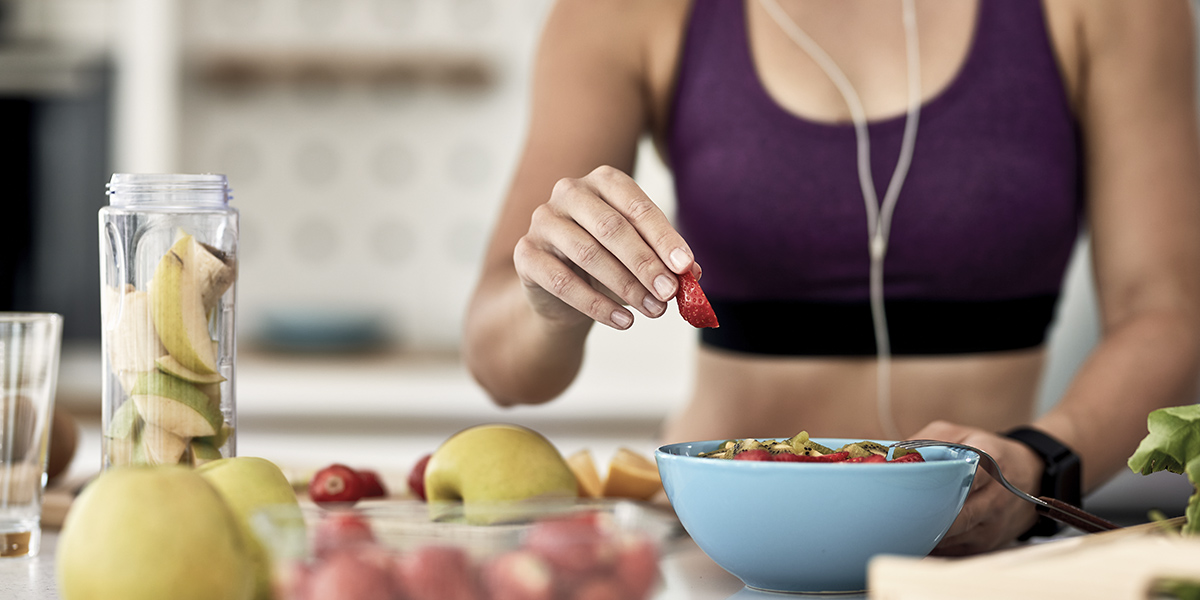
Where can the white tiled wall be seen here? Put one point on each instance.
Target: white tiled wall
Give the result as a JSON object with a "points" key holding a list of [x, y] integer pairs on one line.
{"points": [[360, 191]]}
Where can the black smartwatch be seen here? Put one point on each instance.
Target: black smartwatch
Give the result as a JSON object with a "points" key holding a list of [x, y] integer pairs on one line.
{"points": [[1062, 478]]}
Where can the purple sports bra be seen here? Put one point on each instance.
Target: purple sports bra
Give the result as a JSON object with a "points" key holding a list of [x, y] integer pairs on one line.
{"points": [[982, 233]]}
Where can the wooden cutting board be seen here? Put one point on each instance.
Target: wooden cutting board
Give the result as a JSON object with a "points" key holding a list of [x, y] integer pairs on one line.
{"points": [[1118, 565]]}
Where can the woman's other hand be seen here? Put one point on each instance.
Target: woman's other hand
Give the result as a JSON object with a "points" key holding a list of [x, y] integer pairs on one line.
{"points": [[599, 243], [992, 516]]}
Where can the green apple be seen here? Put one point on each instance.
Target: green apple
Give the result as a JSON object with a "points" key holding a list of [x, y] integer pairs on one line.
{"points": [[216, 271], [492, 464], [203, 451], [220, 438], [132, 341], [255, 487], [169, 365], [123, 437], [175, 405], [148, 533], [212, 390], [177, 306], [124, 422], [162, 447]]}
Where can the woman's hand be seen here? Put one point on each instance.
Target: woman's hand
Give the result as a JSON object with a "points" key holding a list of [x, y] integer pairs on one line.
{"points": [[598, 243], [992, 516]]}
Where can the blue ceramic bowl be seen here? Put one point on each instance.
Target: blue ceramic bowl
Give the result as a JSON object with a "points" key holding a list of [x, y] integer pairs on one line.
{"points": [[812, 527]]}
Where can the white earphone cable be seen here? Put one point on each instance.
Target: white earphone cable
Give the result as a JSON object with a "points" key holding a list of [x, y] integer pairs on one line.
{"points": [[879, 215]]}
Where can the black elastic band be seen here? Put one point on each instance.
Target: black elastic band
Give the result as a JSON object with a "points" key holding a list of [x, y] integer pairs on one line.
{"points": [[915, 327]]}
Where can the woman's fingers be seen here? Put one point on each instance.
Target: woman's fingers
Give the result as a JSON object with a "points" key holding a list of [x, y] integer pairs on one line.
{"points": [[542, 273], [603, 245], [654, 229], [599, 242], [991, 516]]}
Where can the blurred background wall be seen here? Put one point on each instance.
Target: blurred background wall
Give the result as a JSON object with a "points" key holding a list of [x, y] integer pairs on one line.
{"points": [[368, 143]]}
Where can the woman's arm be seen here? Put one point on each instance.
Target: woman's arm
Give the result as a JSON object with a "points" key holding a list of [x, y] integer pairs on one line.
{"points": [[1142, 176], [576, 238], [1137, 111]]}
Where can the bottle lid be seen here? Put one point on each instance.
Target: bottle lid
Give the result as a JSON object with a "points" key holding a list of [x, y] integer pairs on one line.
{"points": [[166, 190]]}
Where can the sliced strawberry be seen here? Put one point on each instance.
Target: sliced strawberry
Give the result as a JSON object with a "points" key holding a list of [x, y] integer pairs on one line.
{"points": [[693, 304], [753, 454], [834, 457], [910, 457], [874, 458]]}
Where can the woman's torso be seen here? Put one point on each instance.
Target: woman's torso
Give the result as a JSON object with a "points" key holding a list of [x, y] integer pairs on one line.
{"points": [[749, 394]]}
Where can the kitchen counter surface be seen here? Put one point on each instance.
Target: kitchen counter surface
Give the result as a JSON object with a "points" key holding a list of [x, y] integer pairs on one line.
{"points": [[391, 440]]}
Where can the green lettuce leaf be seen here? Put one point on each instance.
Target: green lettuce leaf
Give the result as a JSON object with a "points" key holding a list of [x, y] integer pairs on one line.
{"points": [[1192, 514], [1173, 444], [1173, 441]]}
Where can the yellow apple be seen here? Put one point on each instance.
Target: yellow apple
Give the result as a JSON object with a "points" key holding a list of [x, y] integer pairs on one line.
{"points": [[152, 532], [252, 486], [487, 465]]}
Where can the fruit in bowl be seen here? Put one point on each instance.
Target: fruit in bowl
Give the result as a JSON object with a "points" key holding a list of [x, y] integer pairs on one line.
{"points": [[801, 526]]}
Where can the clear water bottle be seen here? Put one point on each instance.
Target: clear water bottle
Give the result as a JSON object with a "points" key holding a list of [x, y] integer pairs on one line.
{"points": [[168, 272]]}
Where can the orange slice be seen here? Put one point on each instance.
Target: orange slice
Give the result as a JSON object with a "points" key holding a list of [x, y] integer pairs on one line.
{"points": [[586, 475], [631, 475]]}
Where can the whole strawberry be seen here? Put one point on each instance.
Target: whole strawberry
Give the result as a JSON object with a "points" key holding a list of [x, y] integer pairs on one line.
{"points": [[693, 304], [416, 477], [336, 485], [372, 484], [339, 530]]}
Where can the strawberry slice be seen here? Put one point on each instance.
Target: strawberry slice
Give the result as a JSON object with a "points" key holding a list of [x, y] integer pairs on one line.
{"points": [[874, 458], [910, 457], [753, 454], [693, 304], [789, 457]]}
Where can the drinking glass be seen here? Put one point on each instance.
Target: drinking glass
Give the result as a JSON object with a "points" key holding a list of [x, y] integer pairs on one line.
{"points": [[29, 352]]}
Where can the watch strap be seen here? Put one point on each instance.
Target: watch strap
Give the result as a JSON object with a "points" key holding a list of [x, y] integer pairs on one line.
{"points": [[1061, 478]]}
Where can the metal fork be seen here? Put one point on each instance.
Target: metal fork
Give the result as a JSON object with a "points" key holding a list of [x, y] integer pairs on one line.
{"points": [[1051, 507]]}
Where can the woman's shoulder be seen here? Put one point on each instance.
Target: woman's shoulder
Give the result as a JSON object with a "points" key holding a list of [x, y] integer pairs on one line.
{"points": [[641, 30], [626, 42], [621, 14], [1100, 25]]}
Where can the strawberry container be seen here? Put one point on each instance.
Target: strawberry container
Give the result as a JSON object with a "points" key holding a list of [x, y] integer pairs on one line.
{"points": [[396, 550]]}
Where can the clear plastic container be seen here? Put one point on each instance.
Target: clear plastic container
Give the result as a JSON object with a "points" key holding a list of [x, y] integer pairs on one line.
{"points": [[168, 272], [395, 550]]}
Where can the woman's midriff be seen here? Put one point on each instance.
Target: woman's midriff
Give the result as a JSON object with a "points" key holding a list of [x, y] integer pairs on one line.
{"points": [[740, 395]]}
